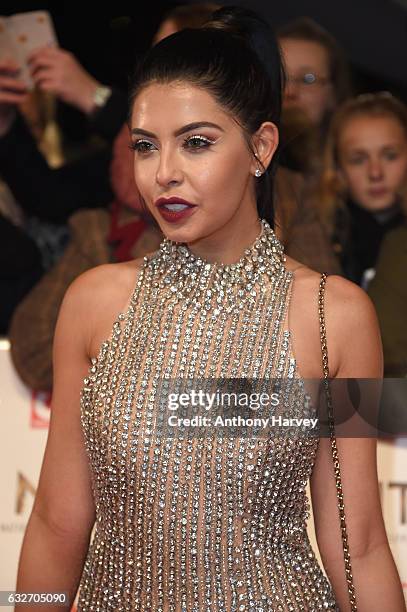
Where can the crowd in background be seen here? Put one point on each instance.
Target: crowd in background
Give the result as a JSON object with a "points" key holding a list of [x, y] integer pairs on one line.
{"points": [[341, 187]]}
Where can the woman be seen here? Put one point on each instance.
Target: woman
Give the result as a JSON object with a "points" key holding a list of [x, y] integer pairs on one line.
{"points": [[195, 524], [364, 179]]}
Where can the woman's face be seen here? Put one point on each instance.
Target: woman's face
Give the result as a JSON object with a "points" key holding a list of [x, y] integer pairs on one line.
{"points": [[315, 97], [372, 154], [189, 149]]}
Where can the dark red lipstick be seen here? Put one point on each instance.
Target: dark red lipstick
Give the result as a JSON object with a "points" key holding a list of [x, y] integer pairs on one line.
{"points": [[174, 209]]}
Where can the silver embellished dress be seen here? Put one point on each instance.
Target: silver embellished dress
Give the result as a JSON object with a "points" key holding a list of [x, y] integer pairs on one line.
{"points": [[194, 523]]}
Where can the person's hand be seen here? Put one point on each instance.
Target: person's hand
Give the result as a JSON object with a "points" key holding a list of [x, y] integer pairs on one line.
{"points": [[13, 92], [59, 72]]}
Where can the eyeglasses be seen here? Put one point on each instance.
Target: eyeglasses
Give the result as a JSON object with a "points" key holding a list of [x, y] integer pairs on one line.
{"points": [[308, 79]]}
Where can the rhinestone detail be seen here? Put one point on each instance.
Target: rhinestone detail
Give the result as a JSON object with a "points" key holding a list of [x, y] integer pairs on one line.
{"points": [[198, 524]]}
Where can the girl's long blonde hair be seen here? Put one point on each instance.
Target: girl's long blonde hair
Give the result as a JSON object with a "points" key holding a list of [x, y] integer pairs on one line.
{"points": [[331, 192]]}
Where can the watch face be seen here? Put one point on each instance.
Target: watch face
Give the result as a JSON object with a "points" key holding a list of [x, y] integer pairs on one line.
{"points": [[101, 95]]}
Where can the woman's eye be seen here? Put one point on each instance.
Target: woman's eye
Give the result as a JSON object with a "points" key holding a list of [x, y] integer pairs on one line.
{"points": [[391, 155], [197, 142], [141, 146], [356, 160]]}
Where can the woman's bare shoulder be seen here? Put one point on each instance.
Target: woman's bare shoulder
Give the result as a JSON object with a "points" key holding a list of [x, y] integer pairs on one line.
{"points": [[339, 291], [99, 295], [350, 318], [104, 282], [347, 302]]}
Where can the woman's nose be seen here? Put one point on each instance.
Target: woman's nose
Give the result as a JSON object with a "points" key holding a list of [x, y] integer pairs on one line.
{"points": [[375, 169], [168, 171]]}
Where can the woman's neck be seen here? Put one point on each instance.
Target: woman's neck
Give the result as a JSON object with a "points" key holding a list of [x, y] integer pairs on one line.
{"points": [[382, 215], [227, 245]]}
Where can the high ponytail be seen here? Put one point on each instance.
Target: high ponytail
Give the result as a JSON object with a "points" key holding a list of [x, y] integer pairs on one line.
{"points": [[259, 36], [236, 58]]}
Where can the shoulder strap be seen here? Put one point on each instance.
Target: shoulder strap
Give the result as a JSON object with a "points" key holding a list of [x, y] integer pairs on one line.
{"points": [[335, 455]]}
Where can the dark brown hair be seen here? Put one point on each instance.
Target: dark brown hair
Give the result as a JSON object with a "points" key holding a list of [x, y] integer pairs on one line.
{"points": [[236, 58]]}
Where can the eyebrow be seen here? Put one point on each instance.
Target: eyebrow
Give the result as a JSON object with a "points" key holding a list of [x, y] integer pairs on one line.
{"points": [[360, 149], [307, 69], [186, 128]]}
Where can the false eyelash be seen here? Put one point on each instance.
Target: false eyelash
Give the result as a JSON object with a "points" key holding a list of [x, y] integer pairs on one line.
{"points": [[199, 137], [133, 145]]}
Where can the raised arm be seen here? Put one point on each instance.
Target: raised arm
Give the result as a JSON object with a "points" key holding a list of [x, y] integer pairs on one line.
{"points": [[353, 340], [60, 525]]}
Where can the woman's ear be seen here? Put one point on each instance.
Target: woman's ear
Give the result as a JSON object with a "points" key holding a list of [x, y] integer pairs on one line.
{"points": [[265, 143]]}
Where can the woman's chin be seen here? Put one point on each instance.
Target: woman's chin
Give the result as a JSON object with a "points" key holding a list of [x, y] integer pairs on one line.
{"points": [[175, 234], [180, 232]]}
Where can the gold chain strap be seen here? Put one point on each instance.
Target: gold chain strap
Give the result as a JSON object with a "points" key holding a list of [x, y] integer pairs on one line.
{"points": [[335, 456]]}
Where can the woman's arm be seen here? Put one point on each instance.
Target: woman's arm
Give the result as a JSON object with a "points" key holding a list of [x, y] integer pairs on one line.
{"points": [[58, 532], [353, 333]]}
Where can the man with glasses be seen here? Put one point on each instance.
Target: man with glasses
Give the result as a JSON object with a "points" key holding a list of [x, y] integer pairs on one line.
{"points": [[317, 72]]}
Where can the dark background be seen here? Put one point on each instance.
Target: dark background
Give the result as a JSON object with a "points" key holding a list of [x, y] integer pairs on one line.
{"points": [[107, 39]]}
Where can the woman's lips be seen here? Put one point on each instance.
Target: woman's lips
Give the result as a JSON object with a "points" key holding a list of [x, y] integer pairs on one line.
{"points": [[377, 193], [174, 209], [172, 200]]}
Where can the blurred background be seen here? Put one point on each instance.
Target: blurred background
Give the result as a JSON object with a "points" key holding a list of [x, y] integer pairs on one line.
{"points": [[106, 41], [69, 202]]}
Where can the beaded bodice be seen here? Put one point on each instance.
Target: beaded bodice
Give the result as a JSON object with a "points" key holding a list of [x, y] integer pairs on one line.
{"points": [[187, 522]]}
